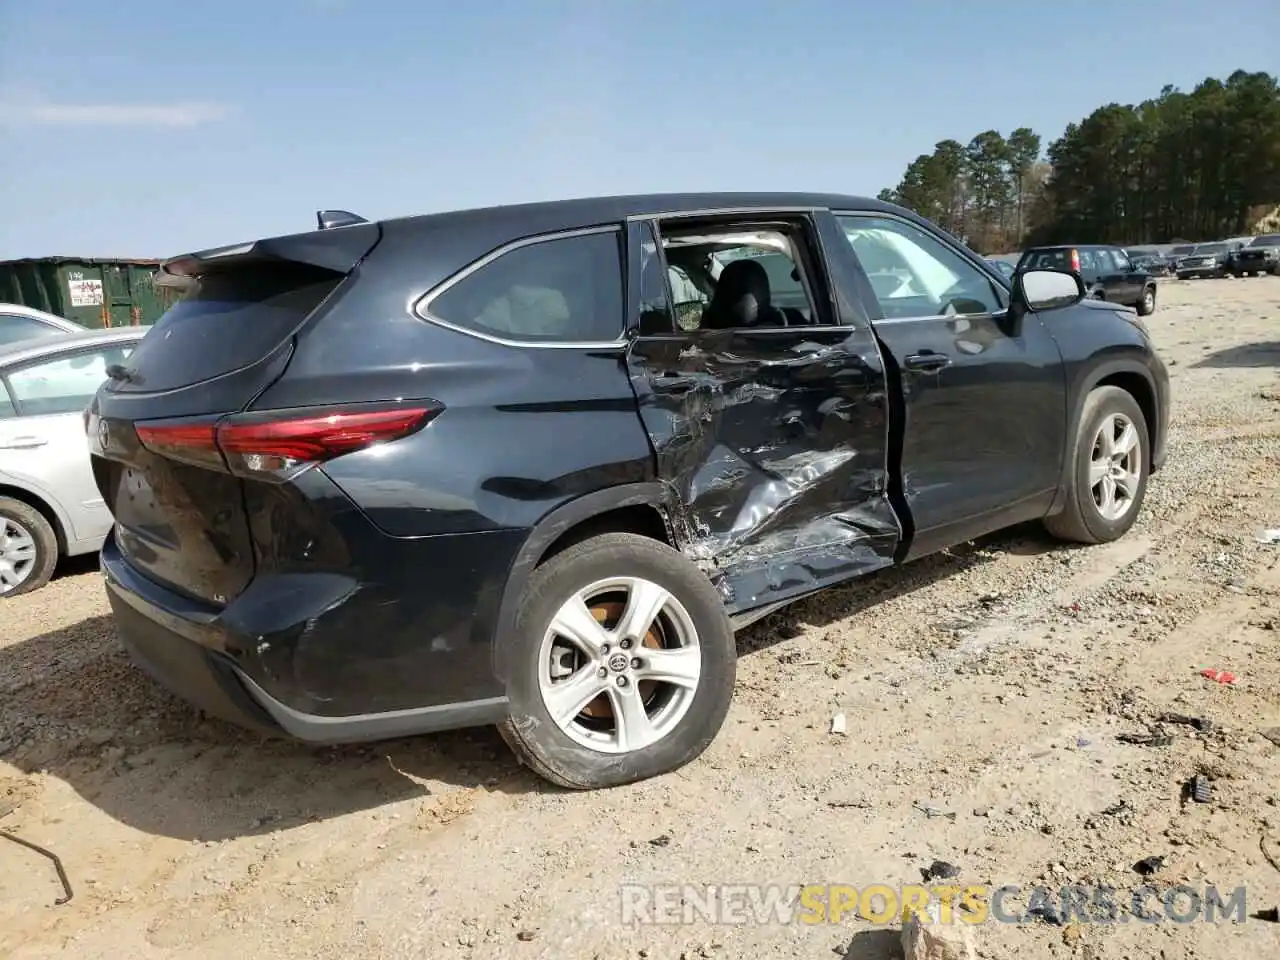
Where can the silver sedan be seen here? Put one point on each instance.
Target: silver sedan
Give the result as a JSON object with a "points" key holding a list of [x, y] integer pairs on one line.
{"points": [[49, 503]]}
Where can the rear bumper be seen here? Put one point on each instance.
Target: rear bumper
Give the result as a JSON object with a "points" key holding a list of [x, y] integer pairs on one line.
{"points": [[196, 653]]}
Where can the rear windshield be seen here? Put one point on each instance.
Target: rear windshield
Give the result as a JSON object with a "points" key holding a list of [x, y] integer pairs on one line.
{"points": [[1212, 248], [1181, 250], [224, 322], [1059, 259], [1266, 240]]}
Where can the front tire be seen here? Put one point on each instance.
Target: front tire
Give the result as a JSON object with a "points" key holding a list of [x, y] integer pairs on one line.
{"points": [[28, 548], [1109, 470], [624, 664]]}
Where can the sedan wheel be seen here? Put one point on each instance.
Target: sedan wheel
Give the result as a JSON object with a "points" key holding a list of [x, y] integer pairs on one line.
{"points": [[622, 666], [28, 548]]}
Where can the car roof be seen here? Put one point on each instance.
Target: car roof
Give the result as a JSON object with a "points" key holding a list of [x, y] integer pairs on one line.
{"points": [[587, 210], [39, 347], [51, 318]]}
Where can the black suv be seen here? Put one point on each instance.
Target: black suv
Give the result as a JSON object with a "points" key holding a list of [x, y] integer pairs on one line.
{"points": [[532, 465], [1107, 272], [1262, 255]]}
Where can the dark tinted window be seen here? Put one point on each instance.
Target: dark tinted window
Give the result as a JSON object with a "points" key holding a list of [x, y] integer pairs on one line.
{"points": [[225, 322], [565, 289], [14, 328], [1208, 248], [1059, 259], [1266, 240]]}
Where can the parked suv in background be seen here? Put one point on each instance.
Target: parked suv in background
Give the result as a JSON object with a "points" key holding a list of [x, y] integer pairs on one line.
{"points": [[1262, 255], [1206, 260], [1107, 272], [386, 478]]}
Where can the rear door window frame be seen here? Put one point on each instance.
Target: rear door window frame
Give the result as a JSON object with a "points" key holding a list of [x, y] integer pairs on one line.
{"points": [[422, 307]]}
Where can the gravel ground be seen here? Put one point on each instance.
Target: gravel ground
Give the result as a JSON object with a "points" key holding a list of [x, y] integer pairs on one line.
{"points": [[983, 691]]}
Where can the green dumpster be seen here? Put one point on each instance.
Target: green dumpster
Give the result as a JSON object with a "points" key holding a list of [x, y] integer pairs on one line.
{"points": [[93, 292]]}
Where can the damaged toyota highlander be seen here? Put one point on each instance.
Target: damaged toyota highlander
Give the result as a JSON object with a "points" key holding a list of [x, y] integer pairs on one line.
{"points": [[534, 465]]}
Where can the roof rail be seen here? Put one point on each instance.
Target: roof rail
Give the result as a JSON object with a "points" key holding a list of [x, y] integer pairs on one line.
{"points": [[328, 219]]}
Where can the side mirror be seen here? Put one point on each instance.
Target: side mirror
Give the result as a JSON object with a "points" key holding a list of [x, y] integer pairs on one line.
{"points": [[1041, 290]]}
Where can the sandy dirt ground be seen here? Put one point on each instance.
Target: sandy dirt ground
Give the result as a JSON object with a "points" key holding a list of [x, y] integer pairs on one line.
{"points": [[983, 692]]}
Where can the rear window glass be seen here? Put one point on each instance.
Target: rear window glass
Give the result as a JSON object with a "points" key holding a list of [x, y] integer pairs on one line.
{"points": [[1208, 248], [224, 322], [564, 289], [1046, 260], [1266, 240]]}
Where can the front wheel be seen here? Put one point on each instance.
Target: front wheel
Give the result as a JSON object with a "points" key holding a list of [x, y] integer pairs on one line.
{"points": [[624, 666], [1109, 469]]}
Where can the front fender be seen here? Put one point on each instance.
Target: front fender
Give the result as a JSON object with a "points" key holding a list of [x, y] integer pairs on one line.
{"points": [[1088, 375]]}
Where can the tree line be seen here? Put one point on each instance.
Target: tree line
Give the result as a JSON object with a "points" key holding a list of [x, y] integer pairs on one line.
{"points": [[1183, 167]]}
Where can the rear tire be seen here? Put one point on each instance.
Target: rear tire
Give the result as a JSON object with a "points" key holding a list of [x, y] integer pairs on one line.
{"points": [[1095, 511], [581, 654], [28, 548], [1147, 305]]}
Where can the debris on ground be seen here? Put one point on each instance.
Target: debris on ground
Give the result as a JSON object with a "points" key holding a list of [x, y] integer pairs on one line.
{"points": [[1199, 788], [1218, 676], [660, 841], [1201, 724], [930, 939], [1270, 915], [50, 855], [932, 812], [1148, 866], [1046, 913], [1145, 739], [839, 727], [939, 870]]}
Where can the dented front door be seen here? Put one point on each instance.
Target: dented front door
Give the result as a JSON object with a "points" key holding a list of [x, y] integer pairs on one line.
{"points": [[772, 442]]}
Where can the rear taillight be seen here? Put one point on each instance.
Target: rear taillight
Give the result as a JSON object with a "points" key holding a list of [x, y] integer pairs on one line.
{"points": [[1075, 261], [278, 445]]}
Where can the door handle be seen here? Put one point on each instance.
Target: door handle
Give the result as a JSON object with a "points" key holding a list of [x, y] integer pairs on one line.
{"points": [[22, 443], [927, 362]]}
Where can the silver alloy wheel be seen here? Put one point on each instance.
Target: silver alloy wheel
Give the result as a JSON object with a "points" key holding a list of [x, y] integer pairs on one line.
{"points": [[619, 665], [17, 554], [1149, 301], [1115, 468]]}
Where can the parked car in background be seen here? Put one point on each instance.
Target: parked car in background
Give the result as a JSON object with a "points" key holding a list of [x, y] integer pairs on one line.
{"points": [[1177, 253], [467, 468], [1262, 255], [1150, 261], [1206, 260], [1107, 272], [24, 323], [49, 503], [1002, 267]]}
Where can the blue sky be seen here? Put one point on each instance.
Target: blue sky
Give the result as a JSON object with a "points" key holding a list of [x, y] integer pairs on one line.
{"points": [[146, 128]]}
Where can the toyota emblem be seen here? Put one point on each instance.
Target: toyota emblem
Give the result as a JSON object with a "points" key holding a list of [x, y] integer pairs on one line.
{"points": [[618, 662], [104, 434]]}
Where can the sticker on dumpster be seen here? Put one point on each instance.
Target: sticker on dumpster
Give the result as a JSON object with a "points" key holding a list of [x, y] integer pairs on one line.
{"points": [[85, 293]]}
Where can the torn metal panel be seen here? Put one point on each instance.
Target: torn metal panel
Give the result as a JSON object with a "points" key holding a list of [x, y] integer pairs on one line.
{"points": [[774, 444]]}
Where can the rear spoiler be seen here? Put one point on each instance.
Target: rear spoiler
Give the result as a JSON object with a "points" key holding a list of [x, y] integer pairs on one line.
{"points": [[342, 241]]}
